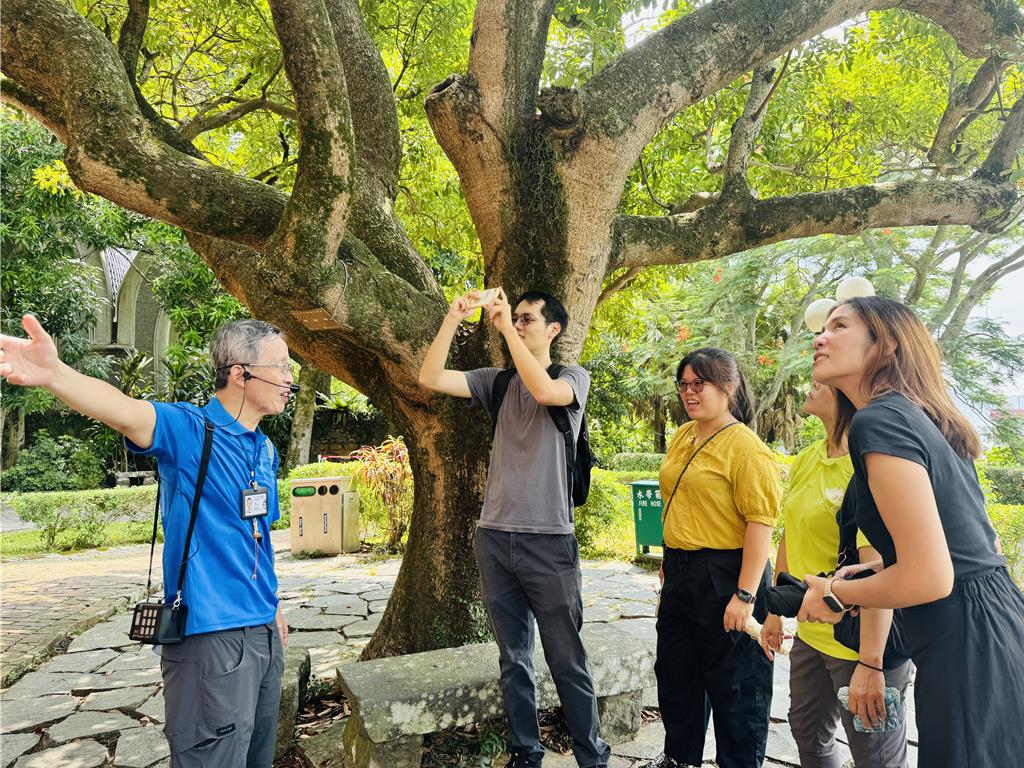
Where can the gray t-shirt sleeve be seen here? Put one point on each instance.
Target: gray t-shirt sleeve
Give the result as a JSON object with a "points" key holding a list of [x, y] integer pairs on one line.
{"points": [[481, 383], [579, 380]]}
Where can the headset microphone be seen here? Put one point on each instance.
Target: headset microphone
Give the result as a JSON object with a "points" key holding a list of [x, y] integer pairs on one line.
{"points": [[293, 388]]}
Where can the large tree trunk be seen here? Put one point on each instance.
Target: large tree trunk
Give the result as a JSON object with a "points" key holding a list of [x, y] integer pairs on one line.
{"points": [[311, 381], [658, 424], [14, 438], [436, 600]]}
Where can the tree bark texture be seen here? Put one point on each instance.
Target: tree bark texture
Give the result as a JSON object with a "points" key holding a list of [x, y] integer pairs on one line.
{"points": [[311, 381], [542, 173], [14, 437]]}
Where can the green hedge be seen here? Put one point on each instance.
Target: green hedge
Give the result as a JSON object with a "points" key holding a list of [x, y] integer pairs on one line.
{"points": [[1008, 520], [636, 462], [1007, 483], [608, 507], [64, 463], [77, 519], [630, 477]]}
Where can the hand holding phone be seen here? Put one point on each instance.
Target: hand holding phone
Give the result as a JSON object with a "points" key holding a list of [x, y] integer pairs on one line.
{"points": [[482, 298]]}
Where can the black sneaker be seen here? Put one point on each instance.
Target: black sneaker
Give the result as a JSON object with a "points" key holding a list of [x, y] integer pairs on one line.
{"points": [[523, 760]]}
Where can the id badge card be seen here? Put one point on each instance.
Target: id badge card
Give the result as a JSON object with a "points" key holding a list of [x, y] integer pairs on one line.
{"points": [[254, 503]]}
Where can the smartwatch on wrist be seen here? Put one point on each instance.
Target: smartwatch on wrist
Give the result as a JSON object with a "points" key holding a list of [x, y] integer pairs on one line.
{"points": [[745, 596], [834, 603]]}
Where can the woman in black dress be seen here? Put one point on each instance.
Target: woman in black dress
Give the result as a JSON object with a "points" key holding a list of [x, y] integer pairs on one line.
{"points": [[919, 503]]}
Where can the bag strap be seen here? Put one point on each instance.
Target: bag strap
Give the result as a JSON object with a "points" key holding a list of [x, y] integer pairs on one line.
{"points": [[664, 514], [560, 415], [152, 542], [204, 463], [498, 390]]}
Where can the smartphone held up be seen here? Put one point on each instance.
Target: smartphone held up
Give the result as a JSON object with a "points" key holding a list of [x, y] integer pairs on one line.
{"points": [[483, 298]]}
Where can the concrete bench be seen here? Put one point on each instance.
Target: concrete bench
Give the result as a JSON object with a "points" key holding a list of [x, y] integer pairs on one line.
{"points": [[140, 477], [396, 701]]}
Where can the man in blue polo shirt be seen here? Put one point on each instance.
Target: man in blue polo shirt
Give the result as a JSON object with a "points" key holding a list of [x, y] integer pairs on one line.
{"points": [[222, 685]]}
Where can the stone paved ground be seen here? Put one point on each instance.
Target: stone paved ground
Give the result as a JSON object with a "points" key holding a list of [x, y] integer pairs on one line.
{"points": [[45, 600], [100, 704]]}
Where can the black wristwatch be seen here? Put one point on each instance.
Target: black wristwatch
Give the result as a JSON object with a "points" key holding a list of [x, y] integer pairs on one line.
{"points": [[745, 596]]}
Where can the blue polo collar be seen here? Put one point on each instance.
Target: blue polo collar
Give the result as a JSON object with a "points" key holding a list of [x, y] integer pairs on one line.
{"points": [[216, 413]]}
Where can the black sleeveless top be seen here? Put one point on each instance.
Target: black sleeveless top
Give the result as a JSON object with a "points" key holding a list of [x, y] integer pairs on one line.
{"points": [[893, 425]]}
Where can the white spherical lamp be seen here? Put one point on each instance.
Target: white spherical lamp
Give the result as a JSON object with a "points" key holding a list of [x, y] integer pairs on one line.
{"points": [[854, 287], [817, 313]]}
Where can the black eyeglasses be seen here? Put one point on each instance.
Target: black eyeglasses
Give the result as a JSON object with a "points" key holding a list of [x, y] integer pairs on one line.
{"points": [[525, 320], [696, 386]]}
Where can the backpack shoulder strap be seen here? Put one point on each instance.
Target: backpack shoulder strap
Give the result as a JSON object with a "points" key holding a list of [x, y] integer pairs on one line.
{"points": [[559, 413], [498, 390]]}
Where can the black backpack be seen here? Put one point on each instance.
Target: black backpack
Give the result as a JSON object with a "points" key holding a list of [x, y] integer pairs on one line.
{"points": [[579, 459]]}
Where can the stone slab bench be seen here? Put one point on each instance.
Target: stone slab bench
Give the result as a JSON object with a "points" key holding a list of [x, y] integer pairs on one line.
{"points": [[396, 701], [140, 477]]}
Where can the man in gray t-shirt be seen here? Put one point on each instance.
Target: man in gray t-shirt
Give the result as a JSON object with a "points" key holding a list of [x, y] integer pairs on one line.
{"points": [[525, 545]]}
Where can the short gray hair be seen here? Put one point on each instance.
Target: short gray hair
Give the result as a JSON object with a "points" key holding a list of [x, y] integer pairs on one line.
{"points": [[237, 342]]}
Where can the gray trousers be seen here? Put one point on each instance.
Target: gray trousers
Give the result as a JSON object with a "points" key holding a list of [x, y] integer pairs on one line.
{"points": [[537, 575], [222, 691], [814, 712]]}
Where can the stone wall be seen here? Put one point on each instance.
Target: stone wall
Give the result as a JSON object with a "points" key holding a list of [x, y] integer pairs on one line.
{"points": [[338, 433]]}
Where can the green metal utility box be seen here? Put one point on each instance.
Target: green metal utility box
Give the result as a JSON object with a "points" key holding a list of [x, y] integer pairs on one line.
{"points": [[647, 507]]}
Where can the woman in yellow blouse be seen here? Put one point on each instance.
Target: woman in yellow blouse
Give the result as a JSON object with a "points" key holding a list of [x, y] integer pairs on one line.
{"points": [[818, 664], [722, 491]]}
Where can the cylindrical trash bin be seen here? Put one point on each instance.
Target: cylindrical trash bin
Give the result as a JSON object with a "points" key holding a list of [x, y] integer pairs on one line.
{"points": [[324, 516], [647, 508]]}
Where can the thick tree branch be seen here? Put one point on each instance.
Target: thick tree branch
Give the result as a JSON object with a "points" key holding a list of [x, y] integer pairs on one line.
{"points": [[313, 224], [964, 106], [619, 283], [476, 150], [129, 45], [129, 41], [111, 148], [199, 125], [923, 265], [383, 322], [748, 126], [374, 117], [978, 290], [725, 228], [1007, 145], [506, 55], [378, 148], [631, 99], [38, 105]]}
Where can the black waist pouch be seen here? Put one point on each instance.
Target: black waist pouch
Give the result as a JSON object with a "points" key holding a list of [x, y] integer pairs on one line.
{"points": [[158, 623]]}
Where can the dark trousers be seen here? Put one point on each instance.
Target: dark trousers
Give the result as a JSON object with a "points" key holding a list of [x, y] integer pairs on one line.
{"points": [[537, 575], [222, 692], [704, 670], [969, 652]]}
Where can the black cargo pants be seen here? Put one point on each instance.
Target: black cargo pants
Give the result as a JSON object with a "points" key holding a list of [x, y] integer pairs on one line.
{"points": [[537, 575], [702, 669]]}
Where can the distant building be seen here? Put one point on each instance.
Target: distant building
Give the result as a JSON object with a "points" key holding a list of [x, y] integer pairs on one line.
{"points": [[131, 317], [1014, 407]]}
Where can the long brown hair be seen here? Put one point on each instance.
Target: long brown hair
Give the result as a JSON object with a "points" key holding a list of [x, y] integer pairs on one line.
{"points": [[907, 361]]}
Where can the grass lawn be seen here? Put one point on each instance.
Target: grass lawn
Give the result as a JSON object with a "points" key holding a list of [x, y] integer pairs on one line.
{"points": [[30, 543]]}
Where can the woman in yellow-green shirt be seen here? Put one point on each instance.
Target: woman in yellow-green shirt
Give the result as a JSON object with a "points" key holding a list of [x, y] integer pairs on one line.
{"points": [[722, 491], [819, 665]]}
